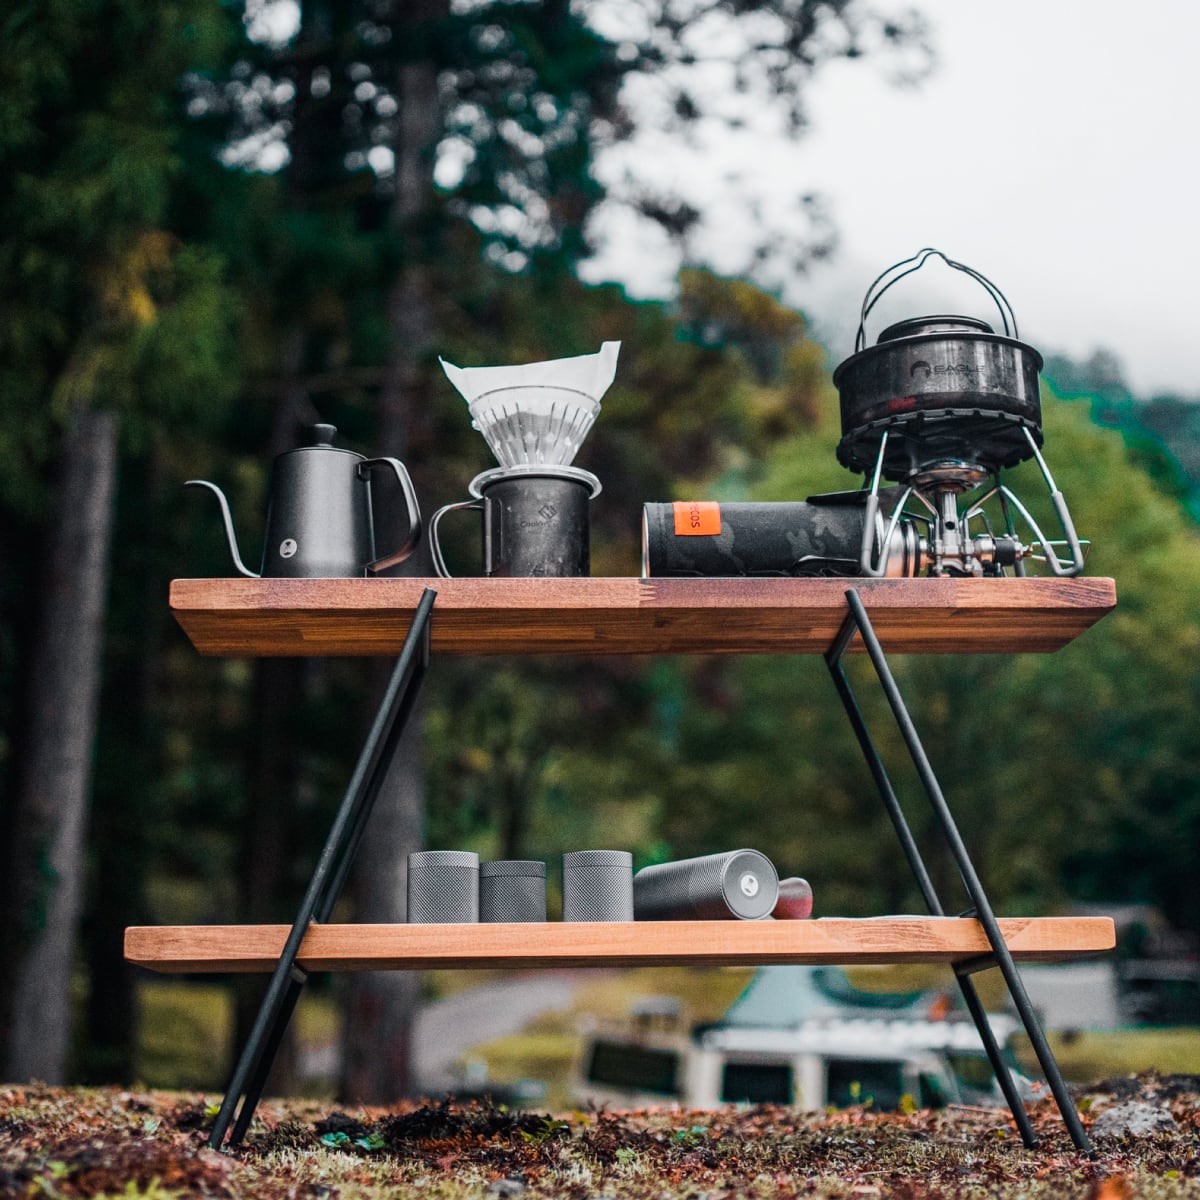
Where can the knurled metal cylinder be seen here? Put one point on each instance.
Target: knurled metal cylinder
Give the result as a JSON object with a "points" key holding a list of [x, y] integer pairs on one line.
{"points": [[597, 885], [512, 890], [738, 884], [443, 887]]}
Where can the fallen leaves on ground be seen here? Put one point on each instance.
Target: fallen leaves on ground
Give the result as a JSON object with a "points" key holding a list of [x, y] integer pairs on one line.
{"points": [[107, 1142]]}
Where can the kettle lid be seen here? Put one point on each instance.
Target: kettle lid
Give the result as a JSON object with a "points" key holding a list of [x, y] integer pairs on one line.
{"points": [[320, 437]]}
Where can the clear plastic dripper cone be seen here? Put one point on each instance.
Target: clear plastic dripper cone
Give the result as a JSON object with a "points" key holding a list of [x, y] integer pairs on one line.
{"points": [[534, 425], [538, 413]]}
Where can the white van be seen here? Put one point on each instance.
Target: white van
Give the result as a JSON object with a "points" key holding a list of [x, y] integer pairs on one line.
{"points": [[811, 1068], [831, 1056]]}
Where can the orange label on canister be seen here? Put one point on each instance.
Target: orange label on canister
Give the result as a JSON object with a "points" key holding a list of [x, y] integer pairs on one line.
{"points": [[696, 517]]}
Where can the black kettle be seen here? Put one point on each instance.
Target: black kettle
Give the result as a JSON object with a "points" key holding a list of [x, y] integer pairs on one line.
{"points": [[319, 516]]}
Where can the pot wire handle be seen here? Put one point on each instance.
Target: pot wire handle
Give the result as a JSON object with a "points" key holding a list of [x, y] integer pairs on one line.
{"points": [[915, 263]]}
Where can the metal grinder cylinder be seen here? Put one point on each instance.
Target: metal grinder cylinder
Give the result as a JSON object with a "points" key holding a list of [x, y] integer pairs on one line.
{"points": [[597, 885], [739, 884], [443, 887], [512, 890]]}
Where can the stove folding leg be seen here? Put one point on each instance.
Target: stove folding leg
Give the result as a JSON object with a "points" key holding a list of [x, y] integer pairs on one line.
{"points": [[329, 875], [859, 622]]}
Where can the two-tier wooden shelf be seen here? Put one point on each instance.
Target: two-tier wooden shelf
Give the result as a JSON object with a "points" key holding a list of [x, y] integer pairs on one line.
{"points": [[286, 617], [332, 617]]}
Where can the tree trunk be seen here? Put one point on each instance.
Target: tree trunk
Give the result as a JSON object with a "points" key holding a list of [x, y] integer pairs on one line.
{"points": [[129, 763], [277, 767], [52, 801], [380, 1009]]}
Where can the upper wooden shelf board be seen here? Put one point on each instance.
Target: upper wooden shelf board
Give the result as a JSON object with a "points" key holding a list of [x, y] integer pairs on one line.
{"points": [[285, 617], [249, 948]]}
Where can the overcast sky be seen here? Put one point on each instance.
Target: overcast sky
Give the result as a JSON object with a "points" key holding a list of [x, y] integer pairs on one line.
{"points": [[1054, 149]]}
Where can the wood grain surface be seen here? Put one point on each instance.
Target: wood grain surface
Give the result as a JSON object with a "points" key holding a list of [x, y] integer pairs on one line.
{"points": [[285, 617], [249, 948]]}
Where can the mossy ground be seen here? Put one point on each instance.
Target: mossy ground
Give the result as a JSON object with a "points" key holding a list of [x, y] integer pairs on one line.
{"points": [[109, 1142]]}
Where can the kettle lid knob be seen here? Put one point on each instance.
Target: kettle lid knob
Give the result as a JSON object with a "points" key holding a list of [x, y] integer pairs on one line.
{"points": [[322, 435]]}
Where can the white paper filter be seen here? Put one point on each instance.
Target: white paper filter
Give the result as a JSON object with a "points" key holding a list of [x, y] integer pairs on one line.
{"points": [[536, 413]]}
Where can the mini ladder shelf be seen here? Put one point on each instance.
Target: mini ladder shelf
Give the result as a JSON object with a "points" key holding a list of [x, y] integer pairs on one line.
{"points": [[631, 616]]}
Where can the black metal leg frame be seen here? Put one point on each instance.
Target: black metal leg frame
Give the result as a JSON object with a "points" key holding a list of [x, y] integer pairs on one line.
{"points": [[288, 978], [857, 621]]}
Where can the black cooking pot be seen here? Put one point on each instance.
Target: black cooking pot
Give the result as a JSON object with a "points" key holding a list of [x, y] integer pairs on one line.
{"points": [[944, 388]]}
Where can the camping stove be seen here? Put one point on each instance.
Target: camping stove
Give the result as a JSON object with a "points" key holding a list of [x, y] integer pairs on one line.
{"points": [[939, 406]]}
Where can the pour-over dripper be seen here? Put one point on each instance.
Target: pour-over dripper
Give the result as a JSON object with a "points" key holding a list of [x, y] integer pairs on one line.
{"points": [[536, 414], [534, 504], [527, 425]]}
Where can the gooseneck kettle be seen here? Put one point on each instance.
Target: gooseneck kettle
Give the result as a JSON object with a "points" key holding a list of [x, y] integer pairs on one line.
{"points": [[320, 521]]}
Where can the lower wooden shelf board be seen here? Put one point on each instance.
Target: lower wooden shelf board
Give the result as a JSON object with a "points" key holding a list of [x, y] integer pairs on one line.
{"points": [[875, 940]]}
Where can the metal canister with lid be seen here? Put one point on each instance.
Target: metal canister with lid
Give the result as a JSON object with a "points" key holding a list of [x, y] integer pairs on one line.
{"points": [[443, 887], [597, 885], [512, 890]]}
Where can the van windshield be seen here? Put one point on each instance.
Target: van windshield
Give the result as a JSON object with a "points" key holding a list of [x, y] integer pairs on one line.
{"points": [[636, 1068], [756, 1083], [857, 1080]]}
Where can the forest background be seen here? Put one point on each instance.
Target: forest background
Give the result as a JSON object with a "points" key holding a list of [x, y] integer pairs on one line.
{"points": [[172, 310]]}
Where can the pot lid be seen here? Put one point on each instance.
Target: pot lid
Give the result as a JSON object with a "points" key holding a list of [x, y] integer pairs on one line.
{"points": [[941, 323]]}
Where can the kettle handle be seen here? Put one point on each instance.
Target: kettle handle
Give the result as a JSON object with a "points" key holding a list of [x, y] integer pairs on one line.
{"points": [[410, 501], [233, 546]]}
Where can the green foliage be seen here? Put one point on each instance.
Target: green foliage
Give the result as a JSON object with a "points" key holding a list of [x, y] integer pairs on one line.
{"points": [[550, 755], [103, 304], [1089, 1055], [1162, 433], [185, 1034]]}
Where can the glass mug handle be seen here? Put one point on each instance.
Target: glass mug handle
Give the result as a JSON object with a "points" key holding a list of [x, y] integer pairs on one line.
{"points": [[435, 549]]}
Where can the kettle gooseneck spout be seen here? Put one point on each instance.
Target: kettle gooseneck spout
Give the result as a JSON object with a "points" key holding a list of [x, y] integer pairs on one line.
{"points": [[228, 519]]}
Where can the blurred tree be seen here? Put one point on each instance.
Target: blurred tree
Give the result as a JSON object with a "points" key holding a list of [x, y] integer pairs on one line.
{"points": [[1163, 432], [108, 320], [458, 142]]}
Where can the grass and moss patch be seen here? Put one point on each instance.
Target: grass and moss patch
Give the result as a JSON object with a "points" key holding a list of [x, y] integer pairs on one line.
{"points": [[107, 1142]]}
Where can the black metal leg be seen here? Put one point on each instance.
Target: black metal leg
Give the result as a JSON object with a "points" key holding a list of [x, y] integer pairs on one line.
{"points": [[913, 854], [858, 621], [261, 1068], [287, 979], [875, 764], [1008, 1085]]}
